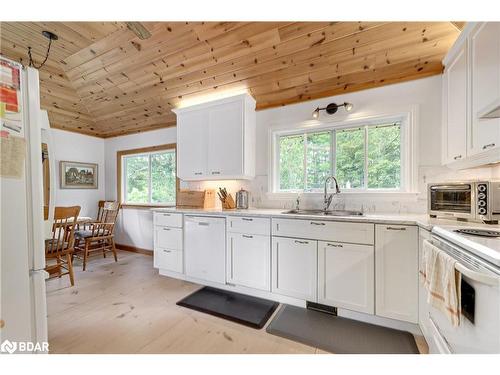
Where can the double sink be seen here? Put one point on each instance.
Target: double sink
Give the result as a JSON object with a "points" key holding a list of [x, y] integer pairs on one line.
{"points": [[324, 213]]}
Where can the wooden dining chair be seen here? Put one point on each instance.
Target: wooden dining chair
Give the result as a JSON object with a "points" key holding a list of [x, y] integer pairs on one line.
{"points": [[98, 236], [60, 246]]}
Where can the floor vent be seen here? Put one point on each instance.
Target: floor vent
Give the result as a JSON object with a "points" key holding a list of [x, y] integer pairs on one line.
{"points": [[322, 308]]}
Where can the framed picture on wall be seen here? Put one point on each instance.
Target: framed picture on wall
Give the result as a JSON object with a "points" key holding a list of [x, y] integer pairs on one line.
{"points": [[76, 175]]}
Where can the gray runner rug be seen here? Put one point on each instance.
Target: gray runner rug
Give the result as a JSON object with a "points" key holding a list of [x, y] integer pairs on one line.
{"points": [[339, 335]]}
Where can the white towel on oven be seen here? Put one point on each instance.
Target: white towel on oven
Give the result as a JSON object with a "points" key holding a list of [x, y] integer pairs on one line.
{"points": [[442, 281]]}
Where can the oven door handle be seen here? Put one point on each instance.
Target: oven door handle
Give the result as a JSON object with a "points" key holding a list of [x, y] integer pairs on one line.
{"points": [[477, 276], [481, 277]]}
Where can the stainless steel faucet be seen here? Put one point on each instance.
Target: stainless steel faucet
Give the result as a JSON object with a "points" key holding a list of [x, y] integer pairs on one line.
{"points": [[328, 198], [297, 202]]}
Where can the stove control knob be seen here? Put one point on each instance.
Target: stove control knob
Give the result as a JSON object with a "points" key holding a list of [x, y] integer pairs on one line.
{"points": [[481, 203], [481, 188], [482, 211], [481, 196]]}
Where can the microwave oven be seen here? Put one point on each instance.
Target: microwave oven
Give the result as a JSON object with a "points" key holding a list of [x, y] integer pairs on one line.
{"points": [[472, 201]]}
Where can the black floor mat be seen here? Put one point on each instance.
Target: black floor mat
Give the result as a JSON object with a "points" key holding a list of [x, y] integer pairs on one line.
{"points": [[339, 335], [247, 310]]}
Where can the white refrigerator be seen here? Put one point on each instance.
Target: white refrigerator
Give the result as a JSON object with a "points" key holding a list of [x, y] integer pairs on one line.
{"points": [[23, 309]]}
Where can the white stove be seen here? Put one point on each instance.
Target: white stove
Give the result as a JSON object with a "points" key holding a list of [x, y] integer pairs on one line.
{"points": [[485, 247], [478, 262]]}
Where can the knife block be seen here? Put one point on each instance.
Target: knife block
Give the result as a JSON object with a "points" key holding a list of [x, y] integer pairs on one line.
{"points": [[229, 204]]}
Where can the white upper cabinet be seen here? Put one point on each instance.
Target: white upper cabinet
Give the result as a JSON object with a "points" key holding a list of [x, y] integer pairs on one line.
{"points": [[455, 82], [216, 140], [192, 145], [471, 84], [225, 134], [485, 76]]}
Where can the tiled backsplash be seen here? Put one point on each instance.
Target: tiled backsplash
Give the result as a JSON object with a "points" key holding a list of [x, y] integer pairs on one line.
{"points": [[399, 203]]}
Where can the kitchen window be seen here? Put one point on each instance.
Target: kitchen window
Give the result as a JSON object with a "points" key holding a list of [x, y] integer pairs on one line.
{"points": [[363, 156], [148, 176]]}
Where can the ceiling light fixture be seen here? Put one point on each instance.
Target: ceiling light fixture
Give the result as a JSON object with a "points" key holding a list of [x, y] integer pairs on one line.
{"points": [[50, 36], [332, 108]]}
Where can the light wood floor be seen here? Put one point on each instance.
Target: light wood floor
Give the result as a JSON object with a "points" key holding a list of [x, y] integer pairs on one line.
{"points": [[126, 307]]}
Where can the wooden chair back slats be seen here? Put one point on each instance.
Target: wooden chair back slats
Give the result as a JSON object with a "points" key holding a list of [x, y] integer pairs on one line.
{"points": [[108, 214], [63, 231], [99, 236]]}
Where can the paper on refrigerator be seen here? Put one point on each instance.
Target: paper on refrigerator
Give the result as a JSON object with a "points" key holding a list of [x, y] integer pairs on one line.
{"points": [[11, 100]]}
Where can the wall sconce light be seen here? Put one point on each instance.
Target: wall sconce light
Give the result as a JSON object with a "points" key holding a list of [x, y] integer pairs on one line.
{"points": [[332, 108]]}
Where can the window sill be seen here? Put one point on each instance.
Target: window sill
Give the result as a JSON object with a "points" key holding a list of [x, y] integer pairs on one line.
{"points": [[146, 206], [345, 194]]}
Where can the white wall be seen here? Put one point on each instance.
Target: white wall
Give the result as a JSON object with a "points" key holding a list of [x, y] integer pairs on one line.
{"points": [[70, 146], [134, 226]]}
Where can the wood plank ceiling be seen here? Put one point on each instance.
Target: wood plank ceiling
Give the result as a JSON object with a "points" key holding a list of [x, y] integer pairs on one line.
{"points": [[103, 80]]}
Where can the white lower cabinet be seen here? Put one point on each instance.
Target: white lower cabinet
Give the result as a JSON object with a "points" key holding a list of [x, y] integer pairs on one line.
{"points": [[396, 272], [168, 238], [168, 244], [294, 268], [346, 276], [249, 260], [167, 259]]}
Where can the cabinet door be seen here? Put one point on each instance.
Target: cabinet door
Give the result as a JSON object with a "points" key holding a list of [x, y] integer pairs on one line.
{"points": [[455, 81], [225, 140], [346, 276], [192, 131], [396, 269], [294, 267], [485, 75], [423, 312], [249, 260]]}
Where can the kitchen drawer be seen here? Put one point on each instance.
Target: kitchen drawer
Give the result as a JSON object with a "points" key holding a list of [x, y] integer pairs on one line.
{"points": [[167, 259], [252, 225], [169, 238], [168, 219], [362, 233]]}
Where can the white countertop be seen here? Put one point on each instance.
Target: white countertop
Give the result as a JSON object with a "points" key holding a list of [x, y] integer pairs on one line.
{"points": [[423, 221]]}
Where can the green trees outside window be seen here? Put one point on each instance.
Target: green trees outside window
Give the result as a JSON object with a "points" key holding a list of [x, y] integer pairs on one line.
{"points": [[362, 157], [150, 178]]}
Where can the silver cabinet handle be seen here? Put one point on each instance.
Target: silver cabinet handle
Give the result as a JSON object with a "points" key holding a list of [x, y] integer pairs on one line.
{"points": [[166, 228], [246, 236], [395, 228], [334, 245], [203, 223], [457, 157], [198, 173], [302, 242], [488, 146], [215, 172], [246, 219], [166, 214], [316, 223], [167, 251]]}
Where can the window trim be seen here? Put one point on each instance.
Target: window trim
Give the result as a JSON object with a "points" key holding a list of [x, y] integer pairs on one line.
{"points": [[120, 173], [409, 149]]}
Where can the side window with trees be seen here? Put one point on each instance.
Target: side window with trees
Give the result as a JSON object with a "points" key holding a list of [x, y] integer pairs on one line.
{"points": [[149, 178], [364, 157]]}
